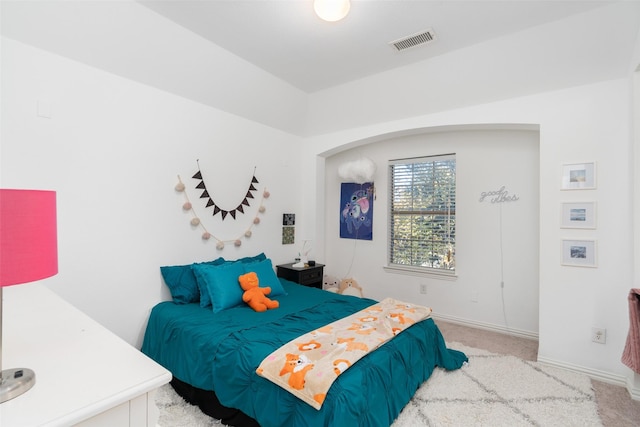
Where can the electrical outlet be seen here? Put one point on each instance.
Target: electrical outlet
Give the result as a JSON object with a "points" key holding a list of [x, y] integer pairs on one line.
{"points": [[599, 335], [423, 288]]}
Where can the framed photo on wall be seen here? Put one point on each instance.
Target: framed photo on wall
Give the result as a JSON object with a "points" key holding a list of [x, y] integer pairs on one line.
{"points": [[579, 176], [579, 253], [578, 215]]}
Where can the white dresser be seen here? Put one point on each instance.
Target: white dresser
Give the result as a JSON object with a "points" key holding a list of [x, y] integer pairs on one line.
{"points": [[85, 374]]}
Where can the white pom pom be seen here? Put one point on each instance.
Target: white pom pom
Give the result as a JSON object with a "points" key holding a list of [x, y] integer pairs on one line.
{"points": [[179, 186], [220, 245], [247, 233], [195, 221]]}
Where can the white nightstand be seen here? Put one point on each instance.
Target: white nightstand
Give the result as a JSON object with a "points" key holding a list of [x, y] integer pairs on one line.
{"points": [[85, 374]]}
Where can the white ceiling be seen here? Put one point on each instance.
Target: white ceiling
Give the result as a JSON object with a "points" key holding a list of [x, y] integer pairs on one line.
{"points": [[285, 38], [275, 63]]}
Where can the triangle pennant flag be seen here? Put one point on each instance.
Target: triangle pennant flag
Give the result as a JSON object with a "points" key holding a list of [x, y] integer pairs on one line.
{"points": [[201, 185], [245, 202], [224, 214], [210, 203], [249, 195], [233, 213], [240, 209], [254, 180], [216, 209], [204, 194], [252, 188], [198, 175]]}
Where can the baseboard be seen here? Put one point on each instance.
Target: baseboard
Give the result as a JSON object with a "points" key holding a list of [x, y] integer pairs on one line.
{"points": [[606, 377], [633, 386], [487, 326]]}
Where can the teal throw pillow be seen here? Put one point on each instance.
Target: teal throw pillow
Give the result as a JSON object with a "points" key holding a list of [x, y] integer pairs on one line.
{"points": [[182, 283], [221, 283], [266, 276]]}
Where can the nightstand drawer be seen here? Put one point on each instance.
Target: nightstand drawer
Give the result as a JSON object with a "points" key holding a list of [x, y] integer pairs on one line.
{"points": [[307, 276], [310, 276]]}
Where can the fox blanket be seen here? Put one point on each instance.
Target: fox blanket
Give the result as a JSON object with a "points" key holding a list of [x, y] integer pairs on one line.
{"points": [[308, 365]]}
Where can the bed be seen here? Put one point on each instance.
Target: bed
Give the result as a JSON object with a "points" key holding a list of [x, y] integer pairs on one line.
{"points": [[213, 357]]}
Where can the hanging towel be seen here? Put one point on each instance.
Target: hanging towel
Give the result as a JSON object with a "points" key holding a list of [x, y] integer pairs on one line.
{"points": [[631, 353]]}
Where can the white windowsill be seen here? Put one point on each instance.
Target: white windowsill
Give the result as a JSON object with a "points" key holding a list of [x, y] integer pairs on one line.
{"points": [[417, 271]]}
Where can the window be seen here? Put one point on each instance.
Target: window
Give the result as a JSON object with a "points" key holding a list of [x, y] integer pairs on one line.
{"points": [[422, 227]]}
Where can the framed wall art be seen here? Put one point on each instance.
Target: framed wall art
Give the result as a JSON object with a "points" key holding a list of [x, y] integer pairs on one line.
{"points": [[579, 253], [578, 215], [579, 176]]}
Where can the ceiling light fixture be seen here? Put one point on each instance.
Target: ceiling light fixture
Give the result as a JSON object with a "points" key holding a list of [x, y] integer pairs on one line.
{"points": [[331, 10]]}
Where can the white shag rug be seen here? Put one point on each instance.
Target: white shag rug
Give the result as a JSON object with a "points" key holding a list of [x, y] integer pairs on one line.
{"points": [[491, 390]]}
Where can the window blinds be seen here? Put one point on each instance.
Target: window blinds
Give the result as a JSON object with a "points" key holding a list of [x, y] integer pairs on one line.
{"points": [[422, 212]]}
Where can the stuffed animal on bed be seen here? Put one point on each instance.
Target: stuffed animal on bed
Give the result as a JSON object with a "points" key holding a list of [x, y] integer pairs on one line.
{"points": [[254, 295], [350, 287]]}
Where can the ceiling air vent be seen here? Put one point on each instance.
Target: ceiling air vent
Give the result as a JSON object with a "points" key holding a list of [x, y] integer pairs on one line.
{"points": [[414, 40]]}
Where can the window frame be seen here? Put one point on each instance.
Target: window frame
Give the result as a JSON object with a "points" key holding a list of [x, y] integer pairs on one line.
{"points": [[422, 270]]}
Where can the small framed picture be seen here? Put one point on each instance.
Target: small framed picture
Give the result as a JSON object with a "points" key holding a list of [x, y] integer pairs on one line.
{"points": [[578, 215], [289, 219], [579, 253], [579, 176]]}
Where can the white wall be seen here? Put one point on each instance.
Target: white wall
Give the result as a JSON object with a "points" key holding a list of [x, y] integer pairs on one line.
{"points": [[129, 40], [495, 242], [586, 123], [112, 150]]}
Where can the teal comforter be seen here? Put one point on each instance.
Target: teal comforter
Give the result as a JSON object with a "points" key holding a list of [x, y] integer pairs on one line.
{"points": [[220, 352]]}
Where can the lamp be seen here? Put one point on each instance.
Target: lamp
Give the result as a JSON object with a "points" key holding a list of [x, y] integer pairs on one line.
{"points": [[331, 10], [28, 252], [304, 255]]}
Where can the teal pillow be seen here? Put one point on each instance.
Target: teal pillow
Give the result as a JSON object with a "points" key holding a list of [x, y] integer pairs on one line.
{"points": [[221, 283], [249, 259], [266, 276], [182, 283], [203, 290]]}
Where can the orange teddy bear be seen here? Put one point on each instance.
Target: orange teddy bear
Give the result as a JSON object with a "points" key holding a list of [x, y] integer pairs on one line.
{"points": [[254, 295]]}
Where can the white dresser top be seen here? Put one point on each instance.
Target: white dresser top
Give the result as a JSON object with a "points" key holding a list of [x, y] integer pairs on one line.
{"points": [[81, 368]]}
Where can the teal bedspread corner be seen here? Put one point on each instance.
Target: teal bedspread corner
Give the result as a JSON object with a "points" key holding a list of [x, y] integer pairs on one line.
{"points": [[221, 352]]}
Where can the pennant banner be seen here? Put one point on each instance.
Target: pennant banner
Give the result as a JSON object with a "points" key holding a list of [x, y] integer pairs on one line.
{"points": [[216, 209]]}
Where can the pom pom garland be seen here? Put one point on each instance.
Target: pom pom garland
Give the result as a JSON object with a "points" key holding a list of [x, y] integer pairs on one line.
{"points": [[206, 235]]}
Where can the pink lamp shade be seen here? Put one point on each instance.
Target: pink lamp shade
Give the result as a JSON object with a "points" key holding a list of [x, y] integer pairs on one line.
{"points": [[28, 252], [28, 236]]}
